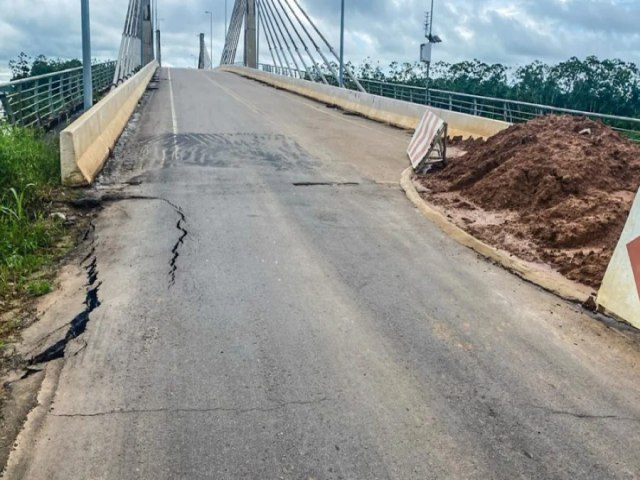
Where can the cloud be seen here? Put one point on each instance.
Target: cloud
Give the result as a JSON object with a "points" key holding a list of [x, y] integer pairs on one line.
{"points": [[506, 31]]}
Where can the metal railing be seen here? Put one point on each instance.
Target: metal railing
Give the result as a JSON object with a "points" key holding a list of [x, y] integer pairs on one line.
{"points": [[287, 72], [511, 111], [45, 99]]}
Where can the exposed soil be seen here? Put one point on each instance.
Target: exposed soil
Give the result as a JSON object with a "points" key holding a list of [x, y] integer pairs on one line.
{"points": [[556, 190]]}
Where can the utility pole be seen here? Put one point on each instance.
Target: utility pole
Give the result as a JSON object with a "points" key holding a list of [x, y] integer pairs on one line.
{"points": [[211, 37], [342, 46], [87, 82], [425, 48]]}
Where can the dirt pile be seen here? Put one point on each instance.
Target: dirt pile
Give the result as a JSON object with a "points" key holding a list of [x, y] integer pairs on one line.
{"points": [[562, 187]]}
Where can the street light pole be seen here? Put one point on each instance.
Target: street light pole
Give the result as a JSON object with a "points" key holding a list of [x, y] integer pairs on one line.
{"points": [[342, 46], [225, 20], [87, 84], [211, 39]]}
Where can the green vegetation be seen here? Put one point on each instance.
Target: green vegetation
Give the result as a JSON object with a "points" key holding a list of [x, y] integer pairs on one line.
{"points": [[24, 66], [591, 85], [29, 238], [37, 288]]}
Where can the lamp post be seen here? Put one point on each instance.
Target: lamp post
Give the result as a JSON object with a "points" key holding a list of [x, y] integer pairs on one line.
{"points": [[87, 83], [210, 38], [225, 20], [342, 46], [425, 48]]}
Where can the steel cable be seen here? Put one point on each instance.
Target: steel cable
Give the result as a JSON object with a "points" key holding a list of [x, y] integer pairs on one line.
{"points": [[269, 33], [273, 28], [293, 42], [270, 12], [347, 69], [315, 44], [315, 63], [233, 33]]}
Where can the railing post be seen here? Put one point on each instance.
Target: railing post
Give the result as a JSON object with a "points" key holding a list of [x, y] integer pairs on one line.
{"points": [[50, 95], [475, 106], [450, 102], [4, 99], [20, 109]]}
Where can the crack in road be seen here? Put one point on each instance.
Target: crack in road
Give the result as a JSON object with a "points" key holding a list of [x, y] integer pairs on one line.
{"points": [[176, 248], [97, 201], [78, 325], [280, 406], [325, 184], [585, 416]]}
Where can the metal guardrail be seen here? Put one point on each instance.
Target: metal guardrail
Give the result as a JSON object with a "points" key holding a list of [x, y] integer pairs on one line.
{"points": [[287, 72], [511, 111], [44, 99]]}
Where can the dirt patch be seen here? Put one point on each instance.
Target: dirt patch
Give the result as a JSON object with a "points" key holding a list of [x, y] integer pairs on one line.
{"points": [[18, 399], [556, 190]]}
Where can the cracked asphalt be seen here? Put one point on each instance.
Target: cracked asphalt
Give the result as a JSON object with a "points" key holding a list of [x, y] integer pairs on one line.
{"points": [[294, 317]]}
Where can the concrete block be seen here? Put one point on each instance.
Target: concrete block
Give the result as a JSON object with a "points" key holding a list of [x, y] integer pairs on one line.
{"points": [[86, 143]]}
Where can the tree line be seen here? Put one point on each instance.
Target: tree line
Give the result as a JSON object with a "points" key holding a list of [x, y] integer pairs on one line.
{"points": [[24, 66], [610, 86]]}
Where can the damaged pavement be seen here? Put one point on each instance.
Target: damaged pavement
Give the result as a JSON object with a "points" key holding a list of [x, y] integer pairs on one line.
{"points": [[223, 320]]}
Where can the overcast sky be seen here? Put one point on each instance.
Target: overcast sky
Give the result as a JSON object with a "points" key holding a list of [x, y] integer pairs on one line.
{"points": [[507, 31]]}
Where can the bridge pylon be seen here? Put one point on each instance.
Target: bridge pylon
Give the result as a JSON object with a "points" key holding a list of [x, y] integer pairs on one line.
{"points": [[250, 36]]}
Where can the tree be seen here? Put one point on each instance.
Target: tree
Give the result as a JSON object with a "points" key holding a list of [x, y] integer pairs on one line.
{"points": [[20, 67], [609, 86], [24, 66]]}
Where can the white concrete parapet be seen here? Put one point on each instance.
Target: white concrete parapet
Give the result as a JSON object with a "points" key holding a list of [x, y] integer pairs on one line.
{"points": [[86, 143], [387, 110]]}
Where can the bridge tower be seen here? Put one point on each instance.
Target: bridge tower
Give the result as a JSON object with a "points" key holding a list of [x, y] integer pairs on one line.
{"points": [[250, 36], [147, 33]]}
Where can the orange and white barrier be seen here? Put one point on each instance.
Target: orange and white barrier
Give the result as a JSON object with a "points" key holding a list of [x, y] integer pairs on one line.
{"points": [[620, 290], [430, 128]]}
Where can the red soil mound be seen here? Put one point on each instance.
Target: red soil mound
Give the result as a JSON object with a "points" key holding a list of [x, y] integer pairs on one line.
{"points": [[567, 183]]}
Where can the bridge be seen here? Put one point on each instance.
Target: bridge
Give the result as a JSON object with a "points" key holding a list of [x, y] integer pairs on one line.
{"points": [[261, 300]]}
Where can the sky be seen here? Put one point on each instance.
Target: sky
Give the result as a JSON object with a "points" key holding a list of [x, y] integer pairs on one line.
{"points": [[512, 32]]}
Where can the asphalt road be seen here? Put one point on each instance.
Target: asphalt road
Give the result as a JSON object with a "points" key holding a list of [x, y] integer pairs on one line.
{"points": [[300, 319]]}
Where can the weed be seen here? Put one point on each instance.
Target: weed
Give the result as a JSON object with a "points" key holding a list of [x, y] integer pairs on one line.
{"points": [[37, 288], [16, 214], [29, 171]]}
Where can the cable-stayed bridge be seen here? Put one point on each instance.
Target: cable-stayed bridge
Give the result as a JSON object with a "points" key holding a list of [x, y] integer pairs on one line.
{"points": [[259, 300]]}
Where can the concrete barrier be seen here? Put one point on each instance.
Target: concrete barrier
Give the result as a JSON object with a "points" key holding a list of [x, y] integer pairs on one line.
{"points": [[387, 110], [619, 294], [86, 143]]}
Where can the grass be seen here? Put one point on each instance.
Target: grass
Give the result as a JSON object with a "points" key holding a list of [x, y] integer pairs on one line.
{"points": [[29, 237], [37, 288]]}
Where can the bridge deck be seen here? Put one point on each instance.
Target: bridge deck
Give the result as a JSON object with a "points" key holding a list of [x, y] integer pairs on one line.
{"points": [[316, 326]]}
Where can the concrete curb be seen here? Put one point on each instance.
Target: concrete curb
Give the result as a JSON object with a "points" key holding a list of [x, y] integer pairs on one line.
{"points": [[554, 283], [398, 113], [86, 144]]}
